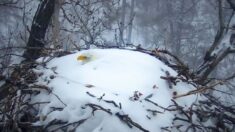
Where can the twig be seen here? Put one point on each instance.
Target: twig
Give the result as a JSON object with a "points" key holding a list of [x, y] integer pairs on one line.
{"points": [[112, 102], [91, 95], [199, 90], [59, 99], [166, 109], [55, 122], [97, 107], [101, 97], [130, 122], [154, 112], [78, 123]]}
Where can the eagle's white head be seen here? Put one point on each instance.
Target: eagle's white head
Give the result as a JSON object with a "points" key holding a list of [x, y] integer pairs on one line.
{"points": [[85, 57]]}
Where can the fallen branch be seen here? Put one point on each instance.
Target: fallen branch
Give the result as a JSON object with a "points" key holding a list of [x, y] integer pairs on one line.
{"points": [[77, 123], [170, 79], [96, 107], [112, 102], [165, 109], [199, 90], [130, 122]]}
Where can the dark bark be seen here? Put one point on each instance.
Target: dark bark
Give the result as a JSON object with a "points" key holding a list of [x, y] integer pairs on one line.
{"points": [[232, 4], [39, 26], [34, 46], [213, 64], [219, 34]]}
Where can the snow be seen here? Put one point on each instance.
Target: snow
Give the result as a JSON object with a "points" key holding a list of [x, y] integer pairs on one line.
{"points": [[125, 77]]}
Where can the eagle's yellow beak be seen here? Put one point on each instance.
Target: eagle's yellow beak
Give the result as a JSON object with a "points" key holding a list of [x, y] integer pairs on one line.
{"points": [[82, 58]]}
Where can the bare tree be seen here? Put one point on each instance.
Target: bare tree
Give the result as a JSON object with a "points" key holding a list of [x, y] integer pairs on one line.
{"points": [[131, 18], [214, 56], [56, 23], [122, 23], [38, 29]]}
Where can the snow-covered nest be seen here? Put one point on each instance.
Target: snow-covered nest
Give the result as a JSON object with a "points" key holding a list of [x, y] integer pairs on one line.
{"points": [[110, 90]]}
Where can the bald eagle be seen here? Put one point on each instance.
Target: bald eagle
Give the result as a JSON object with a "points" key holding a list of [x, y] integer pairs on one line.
{"points": [[85, 58]]}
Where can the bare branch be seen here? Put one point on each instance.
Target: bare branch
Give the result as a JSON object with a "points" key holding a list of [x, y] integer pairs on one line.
{"points": [[199, 90], [232, 4], [213, 64], [219, 33]]}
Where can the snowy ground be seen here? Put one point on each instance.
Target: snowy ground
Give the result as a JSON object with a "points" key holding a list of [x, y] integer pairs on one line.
{"points": [[117, 84]]}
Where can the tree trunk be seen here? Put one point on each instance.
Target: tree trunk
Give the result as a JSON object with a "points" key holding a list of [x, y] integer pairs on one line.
{"points": [[34, 46], [56, 23], [122, 23], [131, 21], [219, 34], [38, 29]]}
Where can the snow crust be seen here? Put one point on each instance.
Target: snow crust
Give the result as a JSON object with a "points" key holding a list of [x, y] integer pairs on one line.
{"points": [[125, 77]]}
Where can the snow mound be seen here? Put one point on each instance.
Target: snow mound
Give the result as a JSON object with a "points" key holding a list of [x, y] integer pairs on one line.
{"points": [[114, 90]]}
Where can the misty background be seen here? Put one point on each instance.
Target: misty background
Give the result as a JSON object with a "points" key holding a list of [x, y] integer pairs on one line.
{"points": [[187, 28], [196, 38]]}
